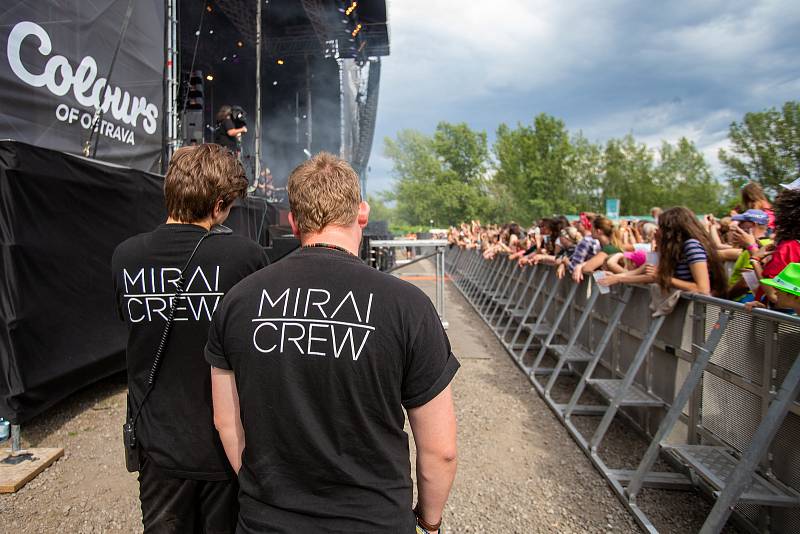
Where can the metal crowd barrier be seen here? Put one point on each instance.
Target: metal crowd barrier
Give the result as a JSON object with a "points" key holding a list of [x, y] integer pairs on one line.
{"points": [[438, 246], [711, 386]]}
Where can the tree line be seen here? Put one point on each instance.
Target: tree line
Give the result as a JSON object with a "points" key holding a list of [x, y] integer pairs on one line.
{"points": [[541, 169]]}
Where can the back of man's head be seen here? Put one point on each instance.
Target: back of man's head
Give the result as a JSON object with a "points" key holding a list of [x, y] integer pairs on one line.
{"points": [[199, 176], [323, 191]]}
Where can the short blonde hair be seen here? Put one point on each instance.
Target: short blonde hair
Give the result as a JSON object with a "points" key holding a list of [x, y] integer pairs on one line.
{"points": [[323, 190]]}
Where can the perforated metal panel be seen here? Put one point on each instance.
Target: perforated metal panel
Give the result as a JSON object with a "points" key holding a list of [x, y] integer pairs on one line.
{"points": [[729, 411], [786, 467], [741, 350], [788, 348]]}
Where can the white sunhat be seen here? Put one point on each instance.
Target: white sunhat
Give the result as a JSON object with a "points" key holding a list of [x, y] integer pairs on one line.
{"points": [[793, 185]]}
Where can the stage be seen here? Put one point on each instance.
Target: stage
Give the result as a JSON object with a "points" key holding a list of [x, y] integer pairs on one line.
{"points": [[126, 83]]}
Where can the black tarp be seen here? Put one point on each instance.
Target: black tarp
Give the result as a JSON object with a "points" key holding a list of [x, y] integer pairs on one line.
{"points": [[54, 58], [61, 216]]}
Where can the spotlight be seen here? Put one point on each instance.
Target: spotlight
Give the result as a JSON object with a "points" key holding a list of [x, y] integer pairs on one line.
{"points": [[239, 44], [209, 8], [280, 62], [355, 32], [350, 9], [210, 77]]}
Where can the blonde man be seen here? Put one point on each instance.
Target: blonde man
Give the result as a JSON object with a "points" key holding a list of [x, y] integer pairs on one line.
{"points": [[185, 482], [320, 355]]}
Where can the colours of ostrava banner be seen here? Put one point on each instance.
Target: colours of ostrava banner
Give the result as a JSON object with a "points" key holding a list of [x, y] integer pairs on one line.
{"points": [[54, 60], [61, 217]]}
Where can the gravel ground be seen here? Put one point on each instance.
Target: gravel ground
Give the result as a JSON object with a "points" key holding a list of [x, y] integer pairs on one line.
{"points": [[519, 471]]}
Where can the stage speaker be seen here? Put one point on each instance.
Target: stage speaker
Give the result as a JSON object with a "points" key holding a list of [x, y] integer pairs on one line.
{"points": [[193, 127], [196, 92]]}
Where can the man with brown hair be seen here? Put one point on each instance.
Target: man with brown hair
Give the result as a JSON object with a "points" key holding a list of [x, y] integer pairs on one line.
{"points": [[185, 482], [319, 354]]}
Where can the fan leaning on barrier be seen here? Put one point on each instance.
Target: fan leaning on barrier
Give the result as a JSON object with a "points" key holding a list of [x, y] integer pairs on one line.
{"points": [[536, 318]]}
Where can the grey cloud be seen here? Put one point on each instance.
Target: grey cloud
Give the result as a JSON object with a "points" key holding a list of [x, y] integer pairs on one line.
{"points": [[657, 70]]}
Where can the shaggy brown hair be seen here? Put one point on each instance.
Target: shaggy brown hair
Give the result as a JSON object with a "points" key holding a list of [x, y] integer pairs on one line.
{"points": [[753, 197], [199, 176], [787, 215], [676, 225], [323, 190]]}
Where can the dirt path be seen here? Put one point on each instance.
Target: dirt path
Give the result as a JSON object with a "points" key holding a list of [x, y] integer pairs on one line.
{"points": [[519, 472]]}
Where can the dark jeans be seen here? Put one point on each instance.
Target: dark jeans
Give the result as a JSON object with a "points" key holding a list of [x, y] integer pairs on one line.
{"points": [[178, 505]]}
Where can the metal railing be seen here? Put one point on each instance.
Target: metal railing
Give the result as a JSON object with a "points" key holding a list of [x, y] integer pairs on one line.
{"points": [[711, 386], [438, 254]]}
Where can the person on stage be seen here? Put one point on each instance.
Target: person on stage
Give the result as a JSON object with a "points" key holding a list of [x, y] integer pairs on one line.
{"points": [[226, 132], [185, 481], [264, 185]]}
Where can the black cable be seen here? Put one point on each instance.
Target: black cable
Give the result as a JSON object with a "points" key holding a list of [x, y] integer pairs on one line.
{"points": [[162, 344], [98, 116], [197, 34]]}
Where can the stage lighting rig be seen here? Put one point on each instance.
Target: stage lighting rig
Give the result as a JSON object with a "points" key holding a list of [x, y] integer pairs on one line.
{"points": [[352, 42]]}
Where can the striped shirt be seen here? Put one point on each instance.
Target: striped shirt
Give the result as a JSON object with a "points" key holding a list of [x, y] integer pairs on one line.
{"points": [[586, 248], [693, 252]]}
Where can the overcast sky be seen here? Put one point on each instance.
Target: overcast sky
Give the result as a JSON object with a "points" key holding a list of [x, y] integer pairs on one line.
{"points": [[657, 70]]}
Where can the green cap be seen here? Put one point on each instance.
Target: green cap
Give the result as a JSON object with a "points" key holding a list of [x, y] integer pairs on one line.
{"points": [[787, 280]]}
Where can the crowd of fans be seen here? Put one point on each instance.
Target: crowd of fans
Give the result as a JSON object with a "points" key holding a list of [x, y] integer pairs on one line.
{"points": [[750, 256]]}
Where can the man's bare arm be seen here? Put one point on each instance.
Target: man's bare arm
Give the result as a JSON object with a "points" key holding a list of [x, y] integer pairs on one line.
{"points": [[225, 398], [434, 428]]}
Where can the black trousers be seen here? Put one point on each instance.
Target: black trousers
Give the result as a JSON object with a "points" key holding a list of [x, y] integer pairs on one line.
{"points": [[178, 505]]}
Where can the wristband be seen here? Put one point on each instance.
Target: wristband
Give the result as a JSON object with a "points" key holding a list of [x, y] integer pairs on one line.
{"points": [[752, 247], [428, 527]]}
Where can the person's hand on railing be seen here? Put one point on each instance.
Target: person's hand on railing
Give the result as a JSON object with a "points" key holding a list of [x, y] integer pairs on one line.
{"points": [[754, 304], [577, 273], [561, 270], [608, 280]]}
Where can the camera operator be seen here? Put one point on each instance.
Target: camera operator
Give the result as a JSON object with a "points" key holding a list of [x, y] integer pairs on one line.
{"points": [[168, 283], [230, 128]]}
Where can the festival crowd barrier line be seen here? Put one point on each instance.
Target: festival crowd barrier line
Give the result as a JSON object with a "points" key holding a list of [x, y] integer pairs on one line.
{"points": [[711, 386]]}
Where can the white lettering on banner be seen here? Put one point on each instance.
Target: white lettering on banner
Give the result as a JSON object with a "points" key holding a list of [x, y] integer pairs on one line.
{"points": [[64, 113], [122, 105], [315, 331], [150, 291]]}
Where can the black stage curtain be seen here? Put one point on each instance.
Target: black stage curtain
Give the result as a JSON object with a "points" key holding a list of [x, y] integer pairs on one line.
{"points": [[61, 216]]}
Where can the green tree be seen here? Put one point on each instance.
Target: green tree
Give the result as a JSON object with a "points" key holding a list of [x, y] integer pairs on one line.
{"points": [[439, 178], [586, 169], [683, 178], [629, 175], [765, 148], [532, 163], [379, 210]]}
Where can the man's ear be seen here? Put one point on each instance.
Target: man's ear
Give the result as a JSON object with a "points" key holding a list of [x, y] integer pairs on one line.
{"points": [[293, 224], [363, 214], [219, 207]]}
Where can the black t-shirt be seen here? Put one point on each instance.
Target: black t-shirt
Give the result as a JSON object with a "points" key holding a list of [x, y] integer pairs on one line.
{"points": [[326, 352], [221, 136], [176, 427]]}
